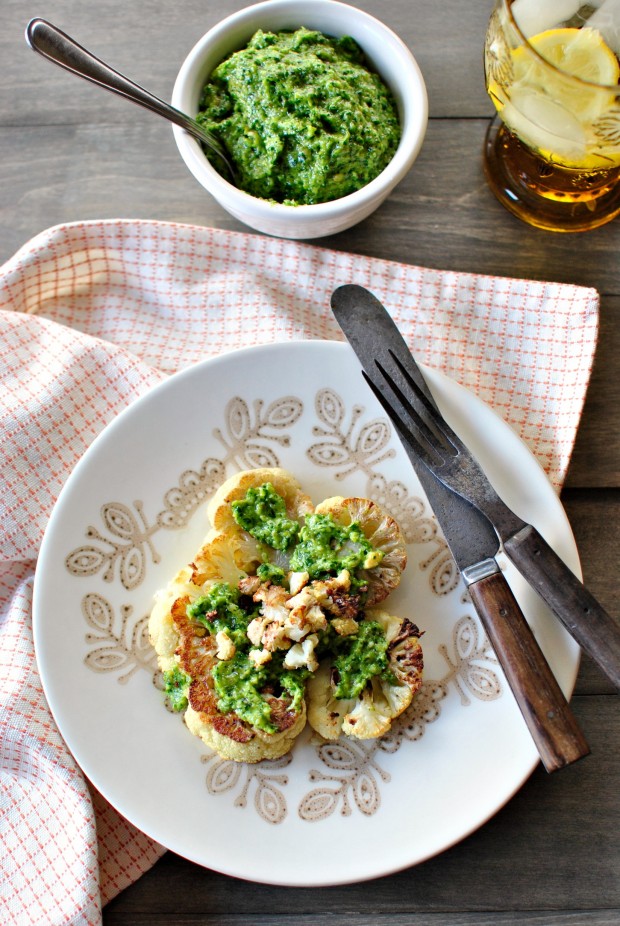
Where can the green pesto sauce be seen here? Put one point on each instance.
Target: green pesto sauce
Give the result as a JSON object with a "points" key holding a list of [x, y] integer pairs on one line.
{"points": [[176, 688], [302, 117], [326, 548], [320, 547], [269, 572], [323, 549], [262, 513], [363, 656], [239, 684], [219, 610]]}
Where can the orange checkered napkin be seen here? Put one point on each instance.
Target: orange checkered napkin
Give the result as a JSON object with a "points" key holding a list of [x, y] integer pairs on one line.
{"points": [[91, 316]]}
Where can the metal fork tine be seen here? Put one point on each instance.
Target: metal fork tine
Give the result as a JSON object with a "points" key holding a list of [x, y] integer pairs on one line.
{"points": [[431, 409], [405, 432], [432, 438]]}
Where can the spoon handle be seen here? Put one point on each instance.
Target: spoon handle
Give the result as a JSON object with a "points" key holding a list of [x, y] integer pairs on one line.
{"points": [[57, 46]]}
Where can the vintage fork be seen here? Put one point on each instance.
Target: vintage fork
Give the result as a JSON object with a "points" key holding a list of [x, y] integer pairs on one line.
{"points": [[423, 427], [441, 449]]}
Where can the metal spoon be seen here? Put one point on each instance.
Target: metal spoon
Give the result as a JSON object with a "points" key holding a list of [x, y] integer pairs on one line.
{"points": [[60, 48]]}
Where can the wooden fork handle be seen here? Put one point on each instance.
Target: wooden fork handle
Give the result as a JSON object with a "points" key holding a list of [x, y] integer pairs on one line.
{"points": [[547, 714], [593, 628]]}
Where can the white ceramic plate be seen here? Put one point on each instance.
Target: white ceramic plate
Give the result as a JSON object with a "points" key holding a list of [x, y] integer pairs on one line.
{"points": [[133, 511]]}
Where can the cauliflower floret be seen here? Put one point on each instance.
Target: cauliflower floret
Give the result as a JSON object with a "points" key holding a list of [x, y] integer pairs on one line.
{"points": [[334, 596], [325, 712], [375, 708], [302, 654], [271, 595], [268, 628], [285, 618], [269, 633], [224, 558], [226, 649], [275, 636], [297, 580], [249, 585], [255, 630], [303, 600], [300, 622], [309, 605], [259, 656], [344, 626], [371, 713], [274, 599], [324, 589]]}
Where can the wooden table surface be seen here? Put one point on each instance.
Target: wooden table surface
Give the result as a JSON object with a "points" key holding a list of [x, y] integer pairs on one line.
{"points": [[70, 151]]}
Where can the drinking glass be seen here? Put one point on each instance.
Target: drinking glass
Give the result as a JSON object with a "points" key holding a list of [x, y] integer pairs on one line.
{"points": [[552, 153]]}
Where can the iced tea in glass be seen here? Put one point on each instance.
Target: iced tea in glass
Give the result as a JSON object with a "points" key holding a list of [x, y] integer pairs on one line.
{"points": [[552, 154]]}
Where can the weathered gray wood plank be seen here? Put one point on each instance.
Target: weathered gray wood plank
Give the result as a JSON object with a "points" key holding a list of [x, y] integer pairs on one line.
{"points": [[148, 41], [286, 918], [596, 456], [595, 520], [442, 215]]}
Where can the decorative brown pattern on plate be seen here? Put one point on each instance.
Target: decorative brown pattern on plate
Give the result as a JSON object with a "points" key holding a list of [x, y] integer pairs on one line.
{"points": [[350, 774], [224, 775], [119, 643]]}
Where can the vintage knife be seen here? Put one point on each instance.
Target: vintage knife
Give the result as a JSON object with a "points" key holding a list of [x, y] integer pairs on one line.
{"points": [[474, 544], [595, 630]]}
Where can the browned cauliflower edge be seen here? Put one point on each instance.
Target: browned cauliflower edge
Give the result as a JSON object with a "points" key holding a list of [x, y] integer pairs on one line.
{"points": [[290, 624]]}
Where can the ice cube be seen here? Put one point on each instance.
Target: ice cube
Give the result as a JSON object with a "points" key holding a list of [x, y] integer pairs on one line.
{"points": [[545, 125], [533, 17], [607, 20]]}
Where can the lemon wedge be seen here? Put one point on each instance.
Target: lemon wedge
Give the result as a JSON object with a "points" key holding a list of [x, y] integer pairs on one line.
{"points": [[581, 53], [550, 110]]}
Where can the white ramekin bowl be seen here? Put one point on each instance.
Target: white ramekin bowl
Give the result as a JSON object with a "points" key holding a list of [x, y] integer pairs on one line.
{"points": [[386, 54]]}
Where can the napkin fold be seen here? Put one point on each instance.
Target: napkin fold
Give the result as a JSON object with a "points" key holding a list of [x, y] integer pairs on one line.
{"points": [[92, 315]]}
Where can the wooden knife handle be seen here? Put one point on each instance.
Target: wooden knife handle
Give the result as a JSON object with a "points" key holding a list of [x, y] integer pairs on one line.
{"points": [[545, 709], [584, 618]]}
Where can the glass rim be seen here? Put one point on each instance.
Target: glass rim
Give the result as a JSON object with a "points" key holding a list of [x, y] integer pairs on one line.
{"points": [[507, 5]]}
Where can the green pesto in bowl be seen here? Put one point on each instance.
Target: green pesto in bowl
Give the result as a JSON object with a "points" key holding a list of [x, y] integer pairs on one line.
{"points": [[302, 117]]}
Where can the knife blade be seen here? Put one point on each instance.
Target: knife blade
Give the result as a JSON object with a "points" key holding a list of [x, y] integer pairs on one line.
{"points": [[582, 615], [473, 542]]}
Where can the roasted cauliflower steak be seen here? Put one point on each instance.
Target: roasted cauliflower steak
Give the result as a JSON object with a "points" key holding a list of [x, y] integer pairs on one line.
{"points": [[219, 509], [382, 532], [369, 713], [274, 623]]}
